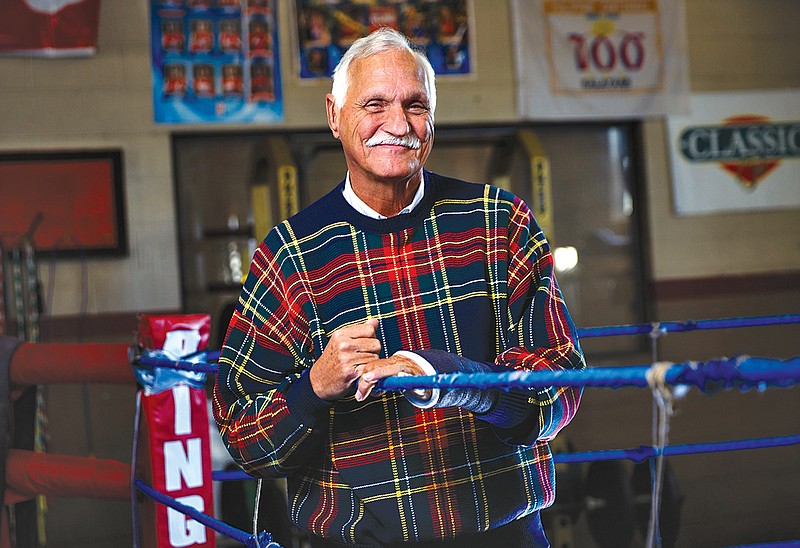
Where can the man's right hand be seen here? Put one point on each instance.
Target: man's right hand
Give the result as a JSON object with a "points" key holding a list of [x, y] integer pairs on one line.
{"points": [[347, 351]]}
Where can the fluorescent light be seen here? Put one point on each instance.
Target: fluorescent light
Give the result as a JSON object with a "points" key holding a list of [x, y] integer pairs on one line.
{"points": [[566, 258]]}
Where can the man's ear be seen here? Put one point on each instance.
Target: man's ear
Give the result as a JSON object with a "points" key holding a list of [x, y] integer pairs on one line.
{"points": [[333, 114]]}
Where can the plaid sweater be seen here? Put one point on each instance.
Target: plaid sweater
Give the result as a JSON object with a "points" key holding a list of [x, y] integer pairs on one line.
{"points": [[467, 275]]}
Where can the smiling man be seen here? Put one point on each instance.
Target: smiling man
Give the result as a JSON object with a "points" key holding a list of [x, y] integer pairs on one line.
{"points": [[399, 271], [381, 109]]}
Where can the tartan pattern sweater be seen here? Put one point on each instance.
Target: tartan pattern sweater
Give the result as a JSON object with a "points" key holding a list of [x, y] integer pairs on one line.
{"points": [[465, 278]]}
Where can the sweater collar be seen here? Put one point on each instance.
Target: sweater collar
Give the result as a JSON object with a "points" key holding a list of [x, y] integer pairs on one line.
{"points": [[392, 224], [359, 205]]}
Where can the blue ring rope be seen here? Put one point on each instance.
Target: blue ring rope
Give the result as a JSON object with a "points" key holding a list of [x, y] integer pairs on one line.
{"points": [[639, 454], [264, 539], [724, 373], [689, 325], [745, 372], [647, 451]]}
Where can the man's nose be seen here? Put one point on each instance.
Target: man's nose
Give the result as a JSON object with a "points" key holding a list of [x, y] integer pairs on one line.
{"points": [[396, 121]]}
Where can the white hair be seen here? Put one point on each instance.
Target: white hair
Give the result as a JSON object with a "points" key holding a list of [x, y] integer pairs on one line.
{"points": [[383, 40]]}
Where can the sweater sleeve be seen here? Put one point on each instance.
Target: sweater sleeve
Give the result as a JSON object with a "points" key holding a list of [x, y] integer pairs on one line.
{"points": [[268, 415], [539, 335]]}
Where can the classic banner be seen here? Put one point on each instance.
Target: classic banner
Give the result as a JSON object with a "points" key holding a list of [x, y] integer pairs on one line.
{"points": [[736, 152], [49, 28], [583, 59]]}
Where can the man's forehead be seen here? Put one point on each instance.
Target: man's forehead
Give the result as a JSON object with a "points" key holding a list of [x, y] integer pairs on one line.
{"points": [[375, 72]]}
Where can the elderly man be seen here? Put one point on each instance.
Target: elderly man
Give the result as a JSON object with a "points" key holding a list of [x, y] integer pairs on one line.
{"points": [[398, 271]]}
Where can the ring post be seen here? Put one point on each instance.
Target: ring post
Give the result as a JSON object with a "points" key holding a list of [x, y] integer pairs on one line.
{"points": [[176, 458]]}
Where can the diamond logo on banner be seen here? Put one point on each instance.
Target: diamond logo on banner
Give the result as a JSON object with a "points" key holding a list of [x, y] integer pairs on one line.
{"points": [[749, 170]]}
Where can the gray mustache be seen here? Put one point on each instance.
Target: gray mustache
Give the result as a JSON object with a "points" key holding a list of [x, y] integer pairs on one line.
{"points": [[408, 141]]}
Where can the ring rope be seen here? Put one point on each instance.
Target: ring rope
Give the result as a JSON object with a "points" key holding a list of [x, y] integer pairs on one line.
{"points": [[688, 325], [645, 452], [743, 371], [249, 540], [637, 454]]}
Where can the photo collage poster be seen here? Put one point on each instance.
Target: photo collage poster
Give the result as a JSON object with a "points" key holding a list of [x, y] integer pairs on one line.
{"points": [[327, 28], [215, 61]]}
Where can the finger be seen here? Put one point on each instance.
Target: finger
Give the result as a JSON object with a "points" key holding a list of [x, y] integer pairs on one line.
{"points": [[355, 367], [364, 389], [350, 349], [390, 366], [366, 330], [367, 346], [372, 372]]}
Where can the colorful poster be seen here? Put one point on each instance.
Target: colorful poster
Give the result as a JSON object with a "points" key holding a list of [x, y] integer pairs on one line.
{"points": [[49, 28], [439, 27], [600, 59], [736, 152], [215, 61]]}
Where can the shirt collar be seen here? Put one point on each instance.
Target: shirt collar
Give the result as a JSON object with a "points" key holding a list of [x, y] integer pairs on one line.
{"points": [[359, 205]]}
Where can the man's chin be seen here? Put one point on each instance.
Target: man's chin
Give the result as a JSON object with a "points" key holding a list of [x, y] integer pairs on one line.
{"points": [[400, 173]]}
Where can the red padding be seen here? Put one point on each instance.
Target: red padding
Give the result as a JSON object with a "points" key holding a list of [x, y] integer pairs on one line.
{"points": [[29, 474], [56, 363]]}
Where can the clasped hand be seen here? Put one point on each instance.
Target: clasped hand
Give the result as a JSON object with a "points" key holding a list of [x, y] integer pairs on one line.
{"points": [[352, 355]]}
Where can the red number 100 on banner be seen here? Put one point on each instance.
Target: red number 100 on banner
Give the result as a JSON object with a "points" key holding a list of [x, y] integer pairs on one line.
{"points": [[602, 54]]}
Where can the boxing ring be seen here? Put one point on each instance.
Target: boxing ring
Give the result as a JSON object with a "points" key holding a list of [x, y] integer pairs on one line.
{"points": [[29, 474]]}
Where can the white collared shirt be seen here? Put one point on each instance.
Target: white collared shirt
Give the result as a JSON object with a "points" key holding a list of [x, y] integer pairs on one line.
{"points": [[359, 205]]}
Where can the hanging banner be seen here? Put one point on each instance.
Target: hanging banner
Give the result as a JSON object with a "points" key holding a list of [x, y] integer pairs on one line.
{"points": [[175, 423], [439, 27], [736, 152], [176, 458], [583, 59], [49, 28], [215, 61]]}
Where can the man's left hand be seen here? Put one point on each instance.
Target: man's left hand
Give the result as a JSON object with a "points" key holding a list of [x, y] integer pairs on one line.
{"points": [[380, 369]]}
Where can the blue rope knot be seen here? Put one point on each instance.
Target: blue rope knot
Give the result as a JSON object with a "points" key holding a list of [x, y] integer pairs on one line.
{"points": [[657, 331], [264, 540]]}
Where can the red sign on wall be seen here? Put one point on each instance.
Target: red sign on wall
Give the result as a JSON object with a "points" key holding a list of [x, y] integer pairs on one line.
{"points": [[49, 28], [70, 203]]}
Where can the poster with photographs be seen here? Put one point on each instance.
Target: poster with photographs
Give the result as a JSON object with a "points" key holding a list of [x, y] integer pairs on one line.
{"points": [[440, 28], [215, 61]]}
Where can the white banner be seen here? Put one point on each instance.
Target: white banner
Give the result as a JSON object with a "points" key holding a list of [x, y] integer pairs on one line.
{"points": [[736, 151], [582, 59]]}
